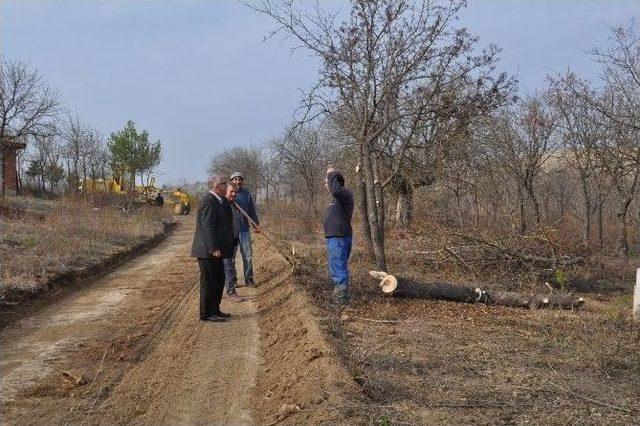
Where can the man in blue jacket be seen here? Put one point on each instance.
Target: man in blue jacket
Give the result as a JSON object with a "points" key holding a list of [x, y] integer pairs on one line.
{"points": [[245, 201], [338, 233]]}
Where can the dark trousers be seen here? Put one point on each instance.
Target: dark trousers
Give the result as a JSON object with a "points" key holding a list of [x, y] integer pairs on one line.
{"points": [[211, 285]]}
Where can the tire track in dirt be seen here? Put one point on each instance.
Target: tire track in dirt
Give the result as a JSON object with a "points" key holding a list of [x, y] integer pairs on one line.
{"points": [[136, 331], [197, 373]]}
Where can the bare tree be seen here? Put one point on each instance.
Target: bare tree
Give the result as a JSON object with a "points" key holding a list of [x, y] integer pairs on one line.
{"points": [[522, 141], [439, 132], [621, 76], [383, 64], [74, 134], [615, 109], [246, 160], [303, 155], [619, 157], [582, 134], [27, 103], [84, 150], [44, 162]]}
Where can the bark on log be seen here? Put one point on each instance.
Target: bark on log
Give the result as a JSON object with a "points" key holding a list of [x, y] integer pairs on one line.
{"points": [[401, 287], [517, 300], [565, 301]]}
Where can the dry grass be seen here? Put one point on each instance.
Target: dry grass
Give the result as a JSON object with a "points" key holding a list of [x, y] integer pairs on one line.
{"points": [[436, 362], [42, 239], [290, 221]]}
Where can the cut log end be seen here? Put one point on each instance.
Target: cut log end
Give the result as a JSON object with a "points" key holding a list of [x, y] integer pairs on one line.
{"points": [[389, 284]]}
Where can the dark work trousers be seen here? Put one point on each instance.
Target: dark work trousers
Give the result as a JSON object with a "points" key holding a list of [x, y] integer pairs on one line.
{"points": [[211, 285]]}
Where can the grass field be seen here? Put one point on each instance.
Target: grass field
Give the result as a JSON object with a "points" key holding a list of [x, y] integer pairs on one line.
{"points": [[41, 239], [436, 362]]}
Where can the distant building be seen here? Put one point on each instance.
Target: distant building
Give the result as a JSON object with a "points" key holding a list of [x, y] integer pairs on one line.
{"points": [[9, 148]]}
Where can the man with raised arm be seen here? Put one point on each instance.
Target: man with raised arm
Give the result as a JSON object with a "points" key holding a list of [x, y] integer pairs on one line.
{"points": [[338, 233]]}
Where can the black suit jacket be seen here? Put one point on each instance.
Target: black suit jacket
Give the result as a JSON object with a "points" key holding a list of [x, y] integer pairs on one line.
{"points": [[214, 228]]}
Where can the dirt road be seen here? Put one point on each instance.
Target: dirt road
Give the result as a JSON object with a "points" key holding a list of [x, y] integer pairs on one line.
{"points": [[134, 338]]}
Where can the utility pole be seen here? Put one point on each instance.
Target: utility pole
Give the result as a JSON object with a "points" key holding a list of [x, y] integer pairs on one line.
{"points": [[636, 297]]}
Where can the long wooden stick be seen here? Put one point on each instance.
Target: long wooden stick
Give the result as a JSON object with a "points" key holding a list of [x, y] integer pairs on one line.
{"points": [[272, 240]]}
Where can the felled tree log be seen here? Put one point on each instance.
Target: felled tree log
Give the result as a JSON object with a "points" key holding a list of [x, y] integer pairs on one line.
{"points": [[401, 287]]}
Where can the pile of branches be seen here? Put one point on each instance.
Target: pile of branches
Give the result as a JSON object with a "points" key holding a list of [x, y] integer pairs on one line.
{"points": [[543, 252]]}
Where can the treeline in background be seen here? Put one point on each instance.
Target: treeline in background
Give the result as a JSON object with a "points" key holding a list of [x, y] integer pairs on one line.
{"points": [[431, 136], [64, 154]]}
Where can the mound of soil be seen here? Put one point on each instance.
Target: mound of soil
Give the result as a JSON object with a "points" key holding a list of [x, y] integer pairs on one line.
{"points": [[302, 380]]}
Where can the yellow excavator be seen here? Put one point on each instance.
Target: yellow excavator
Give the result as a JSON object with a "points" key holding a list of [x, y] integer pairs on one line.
{"points": [[100, 185], [180, 202]]}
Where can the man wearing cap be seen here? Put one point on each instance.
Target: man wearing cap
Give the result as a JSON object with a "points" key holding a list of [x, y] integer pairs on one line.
{"points": [[245, 202], [213, 242]]}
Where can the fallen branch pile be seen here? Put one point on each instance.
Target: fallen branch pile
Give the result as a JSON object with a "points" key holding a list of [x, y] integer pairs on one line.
{"points": [[553, 260], [541, 252], [401, 287]]}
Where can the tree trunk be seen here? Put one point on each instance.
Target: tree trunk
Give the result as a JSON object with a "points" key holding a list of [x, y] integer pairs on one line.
{"points": [[405, 288], [404, 205], [563, 204], [379, 195], [623, 241], [74, 177], [459, 205], [586, 226], [600, 225], [364, 216], [546, 206], [84, 173], [523, 213], [133, 180], [536, 205], [377, 232]]}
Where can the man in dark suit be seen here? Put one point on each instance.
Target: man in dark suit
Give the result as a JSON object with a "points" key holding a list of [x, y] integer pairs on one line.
{"points": [[213, 242]]}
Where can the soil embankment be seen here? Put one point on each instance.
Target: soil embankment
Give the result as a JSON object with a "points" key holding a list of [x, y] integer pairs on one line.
{"points": [[18, 304], [301, 381]]}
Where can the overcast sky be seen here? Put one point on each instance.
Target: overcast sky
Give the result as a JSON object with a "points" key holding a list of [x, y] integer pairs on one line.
{"points": [[199, 77]]}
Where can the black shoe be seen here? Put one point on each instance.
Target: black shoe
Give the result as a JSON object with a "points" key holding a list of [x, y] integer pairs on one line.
{"points": [[340, 297], [214, 318], [223, 314], [250, 284]]}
